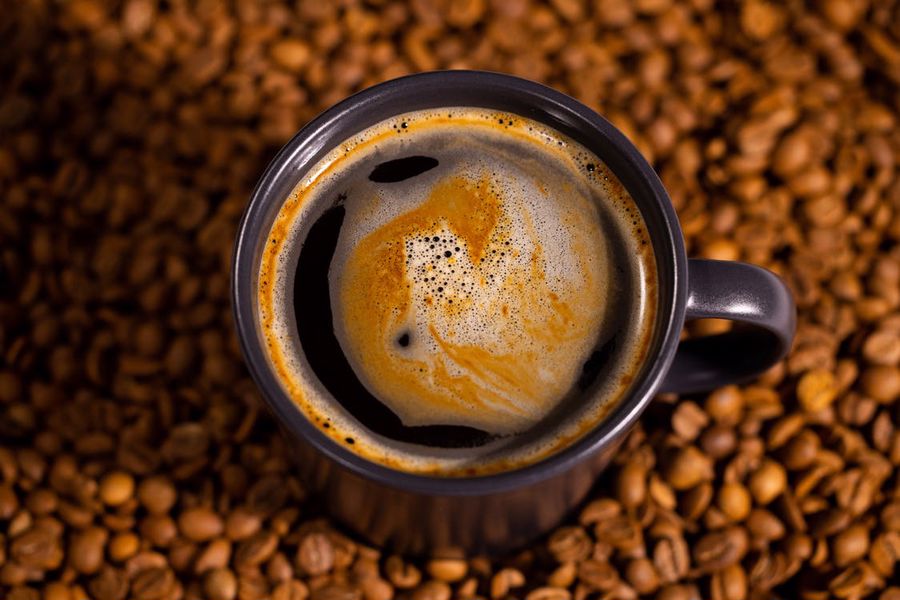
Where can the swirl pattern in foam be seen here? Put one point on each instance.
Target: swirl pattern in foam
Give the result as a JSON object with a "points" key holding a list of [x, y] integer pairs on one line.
{"points": [[474, 293], [508, 287]]}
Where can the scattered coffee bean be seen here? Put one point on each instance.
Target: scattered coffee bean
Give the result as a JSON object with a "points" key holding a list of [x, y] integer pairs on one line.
{"points": [[546, 593], [86, 549], [767, 482], [153, 583], [135, 461], [123, 546], [116, 488], [297, 590], [157, 494], [725, 405], [315, 555], [688, 467], [220, 584], [569, 544], [200, 524], [110, 584], [402, 575], [734, 501], [447, 569], [505, 580], [241, 524], [631, 485], [435, 590], [255, 550], [850, 544], [882, 383], [764, 526], [641, 574], [816, 390], [37, 548], [215, 555]]}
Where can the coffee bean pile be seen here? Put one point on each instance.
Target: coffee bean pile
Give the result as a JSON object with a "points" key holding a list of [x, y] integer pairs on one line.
{"points": [[135, 458]]}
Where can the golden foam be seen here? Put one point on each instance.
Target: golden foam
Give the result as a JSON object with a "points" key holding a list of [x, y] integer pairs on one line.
{"points": [[497, 355]]}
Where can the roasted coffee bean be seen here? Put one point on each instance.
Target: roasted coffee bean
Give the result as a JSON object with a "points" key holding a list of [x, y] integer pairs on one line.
{"points": [[631, 485], [816, 390], [801, 451], [159, 530], [438, 590], [216, 555], [241, 524], [729, 584], [695, 501], [134, 458], [719, 441], [642, 576], [86, 549], [734, 501], [688, 467], [569, 544], [110, 584], [37, 548], [720, 549], [297, 590], [116, 488], [376, 588], [255, 550], [401, 574], [505, 580], [677, 592], [200, 524], [881, 382], [562, 576], [157, 494], [688, 420], [767, 482], [153, 583], [763, 526], [123, 546], [220, 584], [447, 569], [725, 405], [549, 593], [597, 575], [600, 510], [671, 555], [315, 555], [850, 544]]}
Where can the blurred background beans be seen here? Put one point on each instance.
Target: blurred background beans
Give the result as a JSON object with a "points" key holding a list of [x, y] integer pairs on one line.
{"points": [[135, 459]]}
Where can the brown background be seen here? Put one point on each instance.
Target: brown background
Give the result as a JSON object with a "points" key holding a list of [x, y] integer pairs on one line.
{"points": [[134, 459]]}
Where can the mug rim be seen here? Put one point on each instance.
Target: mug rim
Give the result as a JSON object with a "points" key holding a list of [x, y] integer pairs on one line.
{"points": [[603, 434]]}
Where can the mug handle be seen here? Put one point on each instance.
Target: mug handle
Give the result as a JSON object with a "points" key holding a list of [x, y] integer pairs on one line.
{"points": [[765, 315]]}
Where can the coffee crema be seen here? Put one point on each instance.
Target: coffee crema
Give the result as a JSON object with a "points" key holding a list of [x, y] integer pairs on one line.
{"points": [[473, 289]]}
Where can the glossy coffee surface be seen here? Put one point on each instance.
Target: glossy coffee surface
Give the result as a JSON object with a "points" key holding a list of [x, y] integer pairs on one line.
{"points": [[485, 283]]}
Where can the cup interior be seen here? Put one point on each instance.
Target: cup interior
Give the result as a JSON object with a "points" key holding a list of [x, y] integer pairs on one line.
{"points": [[472, 89]]}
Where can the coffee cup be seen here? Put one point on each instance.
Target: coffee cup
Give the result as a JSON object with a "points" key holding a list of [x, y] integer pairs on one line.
{"points": [[457, 291]]}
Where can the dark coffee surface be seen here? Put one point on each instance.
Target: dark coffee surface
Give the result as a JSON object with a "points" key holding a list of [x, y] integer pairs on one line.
{"points": [[474, 291], [327, 359]]}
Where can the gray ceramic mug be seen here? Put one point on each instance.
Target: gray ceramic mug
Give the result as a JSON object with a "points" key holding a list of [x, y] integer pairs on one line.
{"points": [[419, 513]]}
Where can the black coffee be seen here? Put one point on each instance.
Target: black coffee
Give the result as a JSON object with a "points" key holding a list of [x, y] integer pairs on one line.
{"points": [[313, 300], [473, 290]]}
